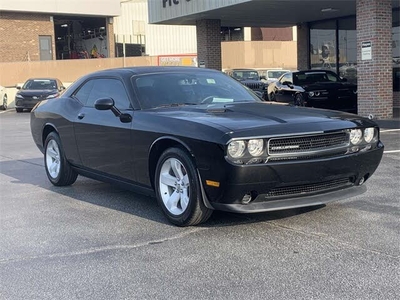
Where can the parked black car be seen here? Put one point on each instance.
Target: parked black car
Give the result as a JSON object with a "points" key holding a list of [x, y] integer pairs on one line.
{"points": [[251, 79], [315, 88], [199, 140], [35, 90]]}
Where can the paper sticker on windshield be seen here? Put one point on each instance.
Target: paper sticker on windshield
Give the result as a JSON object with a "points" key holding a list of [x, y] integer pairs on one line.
{"points": [[210, 81], [222, 100]]}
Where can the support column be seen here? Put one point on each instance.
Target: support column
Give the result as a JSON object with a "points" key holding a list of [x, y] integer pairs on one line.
{"points": [[303, 46], [374, 71], [209, 43], [110, 38]]}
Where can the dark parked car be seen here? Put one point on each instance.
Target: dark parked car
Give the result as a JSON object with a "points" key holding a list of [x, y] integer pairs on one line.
{"points": [[35, 90], [199, 140], [251, 79], [315, 88]]}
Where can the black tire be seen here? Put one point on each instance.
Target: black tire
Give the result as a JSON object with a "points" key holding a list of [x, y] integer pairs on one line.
{"points": [[4, 102], [18, 110], [195, 212], [66, 175], [271, 97], [299, 100]]}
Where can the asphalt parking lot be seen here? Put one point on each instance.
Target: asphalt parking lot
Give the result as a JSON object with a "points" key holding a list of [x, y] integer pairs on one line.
{"points": [[95, 241]]}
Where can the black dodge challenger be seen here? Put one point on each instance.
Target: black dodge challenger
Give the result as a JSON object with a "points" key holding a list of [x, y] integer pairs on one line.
{"points": [[315, 88], [199, 141]]}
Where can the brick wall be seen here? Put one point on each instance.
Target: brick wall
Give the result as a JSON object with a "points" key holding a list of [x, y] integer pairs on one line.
{"points": [[375, 85], [303, 53], [209, 43], [19, 35]]}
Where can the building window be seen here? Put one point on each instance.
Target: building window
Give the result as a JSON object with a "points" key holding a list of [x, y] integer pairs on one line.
{"points": [[323, 45], [333, 46], [348, 49]]}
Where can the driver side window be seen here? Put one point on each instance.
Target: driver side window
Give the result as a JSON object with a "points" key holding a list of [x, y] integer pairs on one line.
{"points": [[109, 87], [331, 77]]}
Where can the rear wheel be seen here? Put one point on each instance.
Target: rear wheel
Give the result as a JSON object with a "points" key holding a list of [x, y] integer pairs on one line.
{"points": [[58, 169], [5, 102], [178, 189], [18, 110]]}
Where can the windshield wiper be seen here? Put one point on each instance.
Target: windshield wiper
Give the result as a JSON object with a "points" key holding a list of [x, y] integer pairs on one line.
{"points": [[176, 104]]}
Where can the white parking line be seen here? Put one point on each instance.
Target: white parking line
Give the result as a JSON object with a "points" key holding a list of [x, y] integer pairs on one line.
{"points": [[390, 130], [392, 151], [4, 111]]}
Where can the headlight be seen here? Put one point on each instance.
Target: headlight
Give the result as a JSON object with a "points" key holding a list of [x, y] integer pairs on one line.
{"points": [[52, 96], [355, 136], [236, 149], [369, 134], [354, 91], [311, 94], [255, 147], [19, 96]]}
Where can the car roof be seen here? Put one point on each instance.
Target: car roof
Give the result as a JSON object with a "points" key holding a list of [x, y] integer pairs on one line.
{"points": [[313, 71], [149, 69], [244, 69], [47, 78]]}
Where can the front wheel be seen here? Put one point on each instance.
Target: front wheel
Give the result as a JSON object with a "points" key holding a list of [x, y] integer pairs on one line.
{"points": [[18, 110], [299, 100], [271, 97], [178, 189], [58, 169]]}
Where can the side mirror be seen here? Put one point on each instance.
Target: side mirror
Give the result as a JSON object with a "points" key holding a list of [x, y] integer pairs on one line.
{"points": [[18, 87], [109, 104], [288, 83], [62, 88], [104, 104], [343, 79]]}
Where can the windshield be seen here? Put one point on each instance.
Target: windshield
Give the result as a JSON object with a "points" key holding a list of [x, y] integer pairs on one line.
{"points": [[40, 84], [276, 74], [171, 89], [243, 75], [313, 77]]}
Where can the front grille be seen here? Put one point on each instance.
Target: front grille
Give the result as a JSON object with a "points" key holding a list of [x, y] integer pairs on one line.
{"points": [[301, 190], [254, 86], [306, 144]]}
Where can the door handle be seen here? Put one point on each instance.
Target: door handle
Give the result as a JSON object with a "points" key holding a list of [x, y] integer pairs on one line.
{"points": [[81, 116]]}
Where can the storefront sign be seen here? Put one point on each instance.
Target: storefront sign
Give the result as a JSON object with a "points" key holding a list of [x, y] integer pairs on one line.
{"points": [[166, 3], [366, 50], [178, 60]]}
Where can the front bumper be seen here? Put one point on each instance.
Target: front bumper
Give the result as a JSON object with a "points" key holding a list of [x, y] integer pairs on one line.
{"points": [[290, 184], [294, 202], [24, 103]]}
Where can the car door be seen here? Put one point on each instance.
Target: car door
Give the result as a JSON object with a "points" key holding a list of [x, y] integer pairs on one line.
{"points": [[104, 141], [284, 89]]}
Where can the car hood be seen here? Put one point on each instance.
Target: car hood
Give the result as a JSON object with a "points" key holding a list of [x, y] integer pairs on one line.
{"points": [[37, 93], [329, 86], [264, 118]]}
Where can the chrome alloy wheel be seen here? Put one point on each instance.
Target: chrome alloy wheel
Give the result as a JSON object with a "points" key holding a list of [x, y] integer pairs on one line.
{"points": [[53, 162], [174, 186]]}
